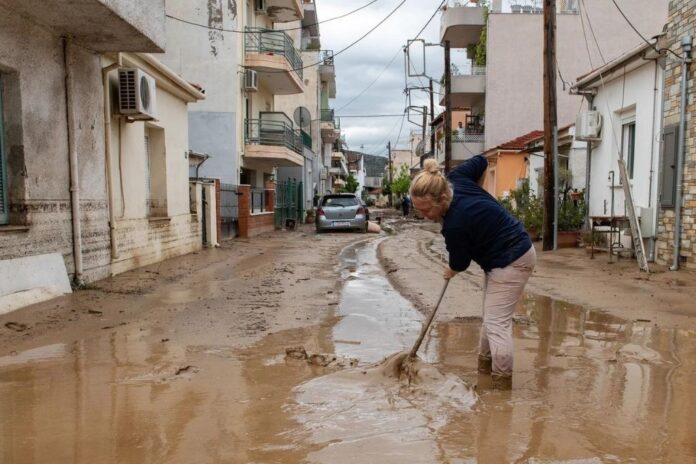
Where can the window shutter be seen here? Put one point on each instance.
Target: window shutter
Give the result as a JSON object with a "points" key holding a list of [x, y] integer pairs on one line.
{"points": [[668, 176], [4, 213]]}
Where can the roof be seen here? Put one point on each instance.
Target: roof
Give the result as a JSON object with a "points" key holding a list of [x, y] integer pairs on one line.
{"points": [[520, 143], [596, 75]]}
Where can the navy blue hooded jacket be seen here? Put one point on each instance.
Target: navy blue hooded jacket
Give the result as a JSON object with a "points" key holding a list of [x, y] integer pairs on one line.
{"points": [[476, 227]]}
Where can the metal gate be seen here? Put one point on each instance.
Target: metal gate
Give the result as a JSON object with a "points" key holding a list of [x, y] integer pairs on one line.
{"points": [[229, 210], [288, 202]]}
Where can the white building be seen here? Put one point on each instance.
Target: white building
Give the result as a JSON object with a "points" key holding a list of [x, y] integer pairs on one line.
{"points": [[628, 94]]}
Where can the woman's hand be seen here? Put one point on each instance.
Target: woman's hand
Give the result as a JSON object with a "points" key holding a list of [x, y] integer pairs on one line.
{"points": [[449, 273]]}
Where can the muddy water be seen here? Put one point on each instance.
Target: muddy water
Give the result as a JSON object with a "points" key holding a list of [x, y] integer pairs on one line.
{"points": [[587, 388]]}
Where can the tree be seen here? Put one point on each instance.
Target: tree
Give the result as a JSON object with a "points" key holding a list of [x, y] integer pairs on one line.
{"points": [[351, 184], [402, 181]]}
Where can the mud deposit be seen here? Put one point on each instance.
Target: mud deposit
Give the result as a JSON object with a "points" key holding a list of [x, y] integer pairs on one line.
{"points": [[587, 388]]}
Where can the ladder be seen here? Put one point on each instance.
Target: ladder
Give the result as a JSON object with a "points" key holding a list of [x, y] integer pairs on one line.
{"points": [[631, 212]]}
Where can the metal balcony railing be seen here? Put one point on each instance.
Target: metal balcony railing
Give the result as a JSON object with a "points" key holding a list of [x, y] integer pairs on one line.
{"points": [[269, 41], [468, 136], [327, 57], [536, 7], [272, 132], [327, 115]]}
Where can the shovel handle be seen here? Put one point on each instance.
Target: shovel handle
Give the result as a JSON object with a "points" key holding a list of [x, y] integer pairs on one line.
{"points": [[426, 326]]}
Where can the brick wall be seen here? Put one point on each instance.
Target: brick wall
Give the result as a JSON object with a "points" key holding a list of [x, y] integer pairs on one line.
{"points": [[251, 225], [681, 22]]}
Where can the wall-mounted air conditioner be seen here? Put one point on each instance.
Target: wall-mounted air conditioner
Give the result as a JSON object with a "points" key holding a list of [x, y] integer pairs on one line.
{"points": [[260, 6], [251, 80], [137, 93], [588, 126]]}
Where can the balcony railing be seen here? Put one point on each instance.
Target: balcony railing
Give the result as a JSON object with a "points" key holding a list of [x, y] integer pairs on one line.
{"points": [[269, 41], [274, 133], [327, 115], [535, 7], [327, 57], [468, 137]]}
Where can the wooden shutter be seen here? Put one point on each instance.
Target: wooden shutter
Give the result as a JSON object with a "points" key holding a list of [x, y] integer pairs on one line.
{"points": [[4, 213], [668, 174]]}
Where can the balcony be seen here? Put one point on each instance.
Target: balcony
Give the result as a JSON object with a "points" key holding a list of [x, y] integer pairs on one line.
{"points": [[468, 88], [338, 164], [310, 25], [271, 141], [468, 144], [272, 54], [330, 126], [104, 25], [284, 11], [327, 72], [461, 23]]}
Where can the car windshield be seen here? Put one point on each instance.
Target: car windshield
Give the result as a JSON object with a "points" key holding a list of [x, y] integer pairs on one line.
{"points": [[339, 201]]}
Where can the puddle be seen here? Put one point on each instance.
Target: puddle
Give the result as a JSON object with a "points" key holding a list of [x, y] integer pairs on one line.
{"points": [[588, 388]]}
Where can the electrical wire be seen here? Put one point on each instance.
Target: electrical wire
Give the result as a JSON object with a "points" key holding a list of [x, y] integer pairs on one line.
{"points": [[220, 29], [641, 35], [589, 23], [373, 82]]}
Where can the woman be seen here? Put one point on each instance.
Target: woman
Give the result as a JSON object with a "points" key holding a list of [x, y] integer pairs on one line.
{"points": [[476, 228]]}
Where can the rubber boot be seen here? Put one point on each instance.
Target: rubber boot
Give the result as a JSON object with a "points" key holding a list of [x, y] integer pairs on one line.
{"points": [[485, 364], [501, 382]]}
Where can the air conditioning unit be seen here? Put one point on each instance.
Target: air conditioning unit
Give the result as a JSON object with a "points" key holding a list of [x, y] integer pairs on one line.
{"points": [[260, 6], [251, 80], [137, 93], [588, 126]]}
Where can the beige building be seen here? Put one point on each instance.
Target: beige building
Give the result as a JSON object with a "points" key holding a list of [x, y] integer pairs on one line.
{"points": [[505, 92], [149, 170]]}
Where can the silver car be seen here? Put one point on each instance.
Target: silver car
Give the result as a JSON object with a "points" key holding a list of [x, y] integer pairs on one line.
{"points": [[341, 211]]}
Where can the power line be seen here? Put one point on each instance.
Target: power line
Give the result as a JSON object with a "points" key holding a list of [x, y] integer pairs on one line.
{"points": [[369, 115], [641, 35], [235, 31], [373, 82], [589, 23]]}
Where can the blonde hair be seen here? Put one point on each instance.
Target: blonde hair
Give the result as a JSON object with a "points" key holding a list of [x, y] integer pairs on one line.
{"points": [[430, 182]]}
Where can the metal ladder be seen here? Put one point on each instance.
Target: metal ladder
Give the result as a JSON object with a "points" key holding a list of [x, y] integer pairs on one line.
{"points": [[631, 212]]}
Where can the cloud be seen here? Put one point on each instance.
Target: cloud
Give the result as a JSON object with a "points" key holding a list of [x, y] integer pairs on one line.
{"points": [[359, 66]]}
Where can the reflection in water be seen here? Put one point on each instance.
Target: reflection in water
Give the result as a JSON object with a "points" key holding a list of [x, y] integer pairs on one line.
{"points": [[588, 387]]}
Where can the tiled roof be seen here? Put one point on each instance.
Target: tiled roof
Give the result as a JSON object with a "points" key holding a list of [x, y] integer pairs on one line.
{"points": [[520, 143]]}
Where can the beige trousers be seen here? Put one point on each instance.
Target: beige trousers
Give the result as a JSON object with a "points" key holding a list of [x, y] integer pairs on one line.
{"points": [[502, 289]]}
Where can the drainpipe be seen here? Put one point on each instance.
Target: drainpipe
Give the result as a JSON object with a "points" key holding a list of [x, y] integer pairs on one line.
{"points": [[651, 250], [588, 171], [686, 44], [74, 172], [107, 152]]}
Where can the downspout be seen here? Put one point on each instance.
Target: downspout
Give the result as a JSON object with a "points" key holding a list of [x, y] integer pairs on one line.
{"points": [[107, 152], [686, 44], [651, 249], [78, 281], [588, 170]]}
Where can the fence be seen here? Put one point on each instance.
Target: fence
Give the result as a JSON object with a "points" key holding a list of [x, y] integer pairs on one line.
{"points": [[289, 201], [258, 201], [229, 210]]}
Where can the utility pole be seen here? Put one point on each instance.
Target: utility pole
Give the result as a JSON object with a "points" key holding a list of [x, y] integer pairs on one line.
{"points": [[425, 125], [550, 127], [432, 119], [448, 109], [389, 174]]}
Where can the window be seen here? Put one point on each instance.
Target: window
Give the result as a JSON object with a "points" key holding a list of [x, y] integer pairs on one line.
{"points": [[628, 146], [4, 213]]}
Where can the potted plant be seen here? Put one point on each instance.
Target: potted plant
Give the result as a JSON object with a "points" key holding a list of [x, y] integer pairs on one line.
{"points": [[310, 216], [571, 216]]}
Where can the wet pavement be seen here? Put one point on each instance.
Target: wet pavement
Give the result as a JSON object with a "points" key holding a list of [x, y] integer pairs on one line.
{"points": [[588, 387]]}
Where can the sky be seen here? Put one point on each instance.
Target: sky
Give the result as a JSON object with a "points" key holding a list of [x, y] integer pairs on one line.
{"points": [[360, 65]]}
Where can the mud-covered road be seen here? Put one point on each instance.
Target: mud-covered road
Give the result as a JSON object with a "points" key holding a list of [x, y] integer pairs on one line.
{"points": [[185, 362]]}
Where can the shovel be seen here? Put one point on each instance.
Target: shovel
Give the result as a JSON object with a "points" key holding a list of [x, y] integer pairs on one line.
{"points": [[412, 354]]}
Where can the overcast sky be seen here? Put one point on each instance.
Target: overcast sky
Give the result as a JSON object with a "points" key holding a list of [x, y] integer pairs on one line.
{"points": [[357, 67]]}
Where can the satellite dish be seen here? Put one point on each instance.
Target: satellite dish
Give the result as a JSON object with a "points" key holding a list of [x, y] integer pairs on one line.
{"points": [[302, 117]]}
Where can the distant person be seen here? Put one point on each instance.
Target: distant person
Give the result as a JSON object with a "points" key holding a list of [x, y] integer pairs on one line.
{"points": [[477, 228], [460, 131], [406, 205]]}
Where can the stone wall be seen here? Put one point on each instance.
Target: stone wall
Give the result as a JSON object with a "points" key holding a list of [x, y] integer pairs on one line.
{"points": [[682, 21]]}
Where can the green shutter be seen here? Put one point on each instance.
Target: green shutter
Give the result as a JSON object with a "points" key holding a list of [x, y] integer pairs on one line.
{"points": [[4, 213]]}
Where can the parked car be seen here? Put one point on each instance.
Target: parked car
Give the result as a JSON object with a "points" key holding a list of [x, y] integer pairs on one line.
{"points": [[341, 211]]}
